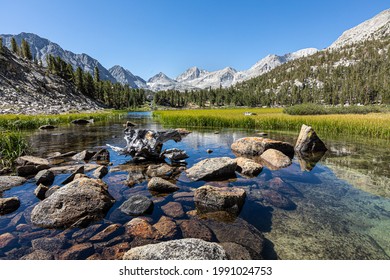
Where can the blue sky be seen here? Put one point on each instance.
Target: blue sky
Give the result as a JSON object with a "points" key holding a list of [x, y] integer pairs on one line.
{"points": [[149, 36]]}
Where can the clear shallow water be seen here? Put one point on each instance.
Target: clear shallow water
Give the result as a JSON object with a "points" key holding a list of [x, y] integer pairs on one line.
{"points": [[342, 210]]}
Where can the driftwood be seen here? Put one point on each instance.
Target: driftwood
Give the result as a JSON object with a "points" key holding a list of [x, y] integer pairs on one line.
{"points": [[144, 144]]}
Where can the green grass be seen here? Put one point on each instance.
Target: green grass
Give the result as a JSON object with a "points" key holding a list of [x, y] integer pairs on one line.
{"points": [[375, 125], [13, 144], [316, 109], [17, 122]]}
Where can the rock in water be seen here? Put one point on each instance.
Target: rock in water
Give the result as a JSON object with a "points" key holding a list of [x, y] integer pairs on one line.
{"points": [[255, 146], [8, 182], [213, 168], [308, 141], [47, 126], [210, 199], [45, 177], [275, 159], [158, 184], [248, 167], [137, 205], [82, 121], [83, 199], [182, 249], [9, 205]]}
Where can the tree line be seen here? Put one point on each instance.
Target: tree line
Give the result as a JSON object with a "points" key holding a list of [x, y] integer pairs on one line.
{"points": [[355, 74]]}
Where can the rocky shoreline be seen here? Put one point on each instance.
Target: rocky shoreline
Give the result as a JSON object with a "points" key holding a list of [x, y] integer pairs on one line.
{"points": [[69, 223]]}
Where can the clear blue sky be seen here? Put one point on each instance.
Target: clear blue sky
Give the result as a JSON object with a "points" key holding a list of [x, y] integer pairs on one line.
{"points": [[149, 36]]}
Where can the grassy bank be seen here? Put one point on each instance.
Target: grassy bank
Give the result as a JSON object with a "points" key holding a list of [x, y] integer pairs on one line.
{"points": [[376, 125], [16, 122]]}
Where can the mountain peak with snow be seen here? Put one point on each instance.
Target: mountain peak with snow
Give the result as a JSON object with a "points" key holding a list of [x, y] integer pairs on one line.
{"points": [[191, 74], [374, 28], [124, 76]]}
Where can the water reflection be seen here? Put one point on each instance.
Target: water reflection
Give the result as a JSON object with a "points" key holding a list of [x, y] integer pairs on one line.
{"points": [[332, 206]]}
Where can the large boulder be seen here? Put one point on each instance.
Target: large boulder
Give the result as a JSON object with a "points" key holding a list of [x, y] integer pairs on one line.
{"points": [[308, 141], [255, 146], [182, 249], [212, 168], [83, 200], [210, 199], [9, 205], [275, 159]]}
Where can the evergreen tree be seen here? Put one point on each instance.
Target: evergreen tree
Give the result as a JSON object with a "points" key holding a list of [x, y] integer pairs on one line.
{"points": [[14, 46], [79, 79], [25, 50], [1, 45], [96, 75]]}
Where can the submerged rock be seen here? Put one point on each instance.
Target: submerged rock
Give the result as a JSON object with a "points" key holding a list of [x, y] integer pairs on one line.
{"points": [[182, 249], [275, 159], [83, 200], [307, 161], [174, 154], [212, 168], [308, 141], [9, 205], [255, 146], [173, 209], [210, 199], [195, 229], [82, 121], [137, 205]]}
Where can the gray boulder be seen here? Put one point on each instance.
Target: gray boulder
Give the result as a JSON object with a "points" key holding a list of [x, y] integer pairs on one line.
{"points": [[137, 205], [182, 249], [40, 191], [83, 200], [100, 172], [308, 141], [212, 168]]}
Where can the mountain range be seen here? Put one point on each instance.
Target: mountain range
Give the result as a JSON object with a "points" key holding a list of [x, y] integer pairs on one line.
{"points": [[195, 78]]}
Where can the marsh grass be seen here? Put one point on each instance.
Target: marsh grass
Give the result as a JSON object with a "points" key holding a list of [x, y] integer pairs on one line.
{"points": [[316, 109], [375, 125], [13, 144]]}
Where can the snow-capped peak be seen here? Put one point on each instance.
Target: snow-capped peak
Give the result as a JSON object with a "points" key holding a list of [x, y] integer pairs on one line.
{"points": [[191, 74], [374, 28], [160, 78]]}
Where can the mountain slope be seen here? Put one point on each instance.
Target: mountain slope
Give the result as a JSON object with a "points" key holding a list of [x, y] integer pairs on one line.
{"points": [[28, 89], [124, 77], [375, 28], [41, 47]]}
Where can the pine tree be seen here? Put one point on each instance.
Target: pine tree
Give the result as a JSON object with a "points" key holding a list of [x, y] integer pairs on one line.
{"points": [[1, 45], [79, 79], [25, 50], [14, 46], [96, 75]]}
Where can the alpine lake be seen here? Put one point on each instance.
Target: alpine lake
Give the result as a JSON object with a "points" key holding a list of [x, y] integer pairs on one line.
{"points": [[340, 205]]}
